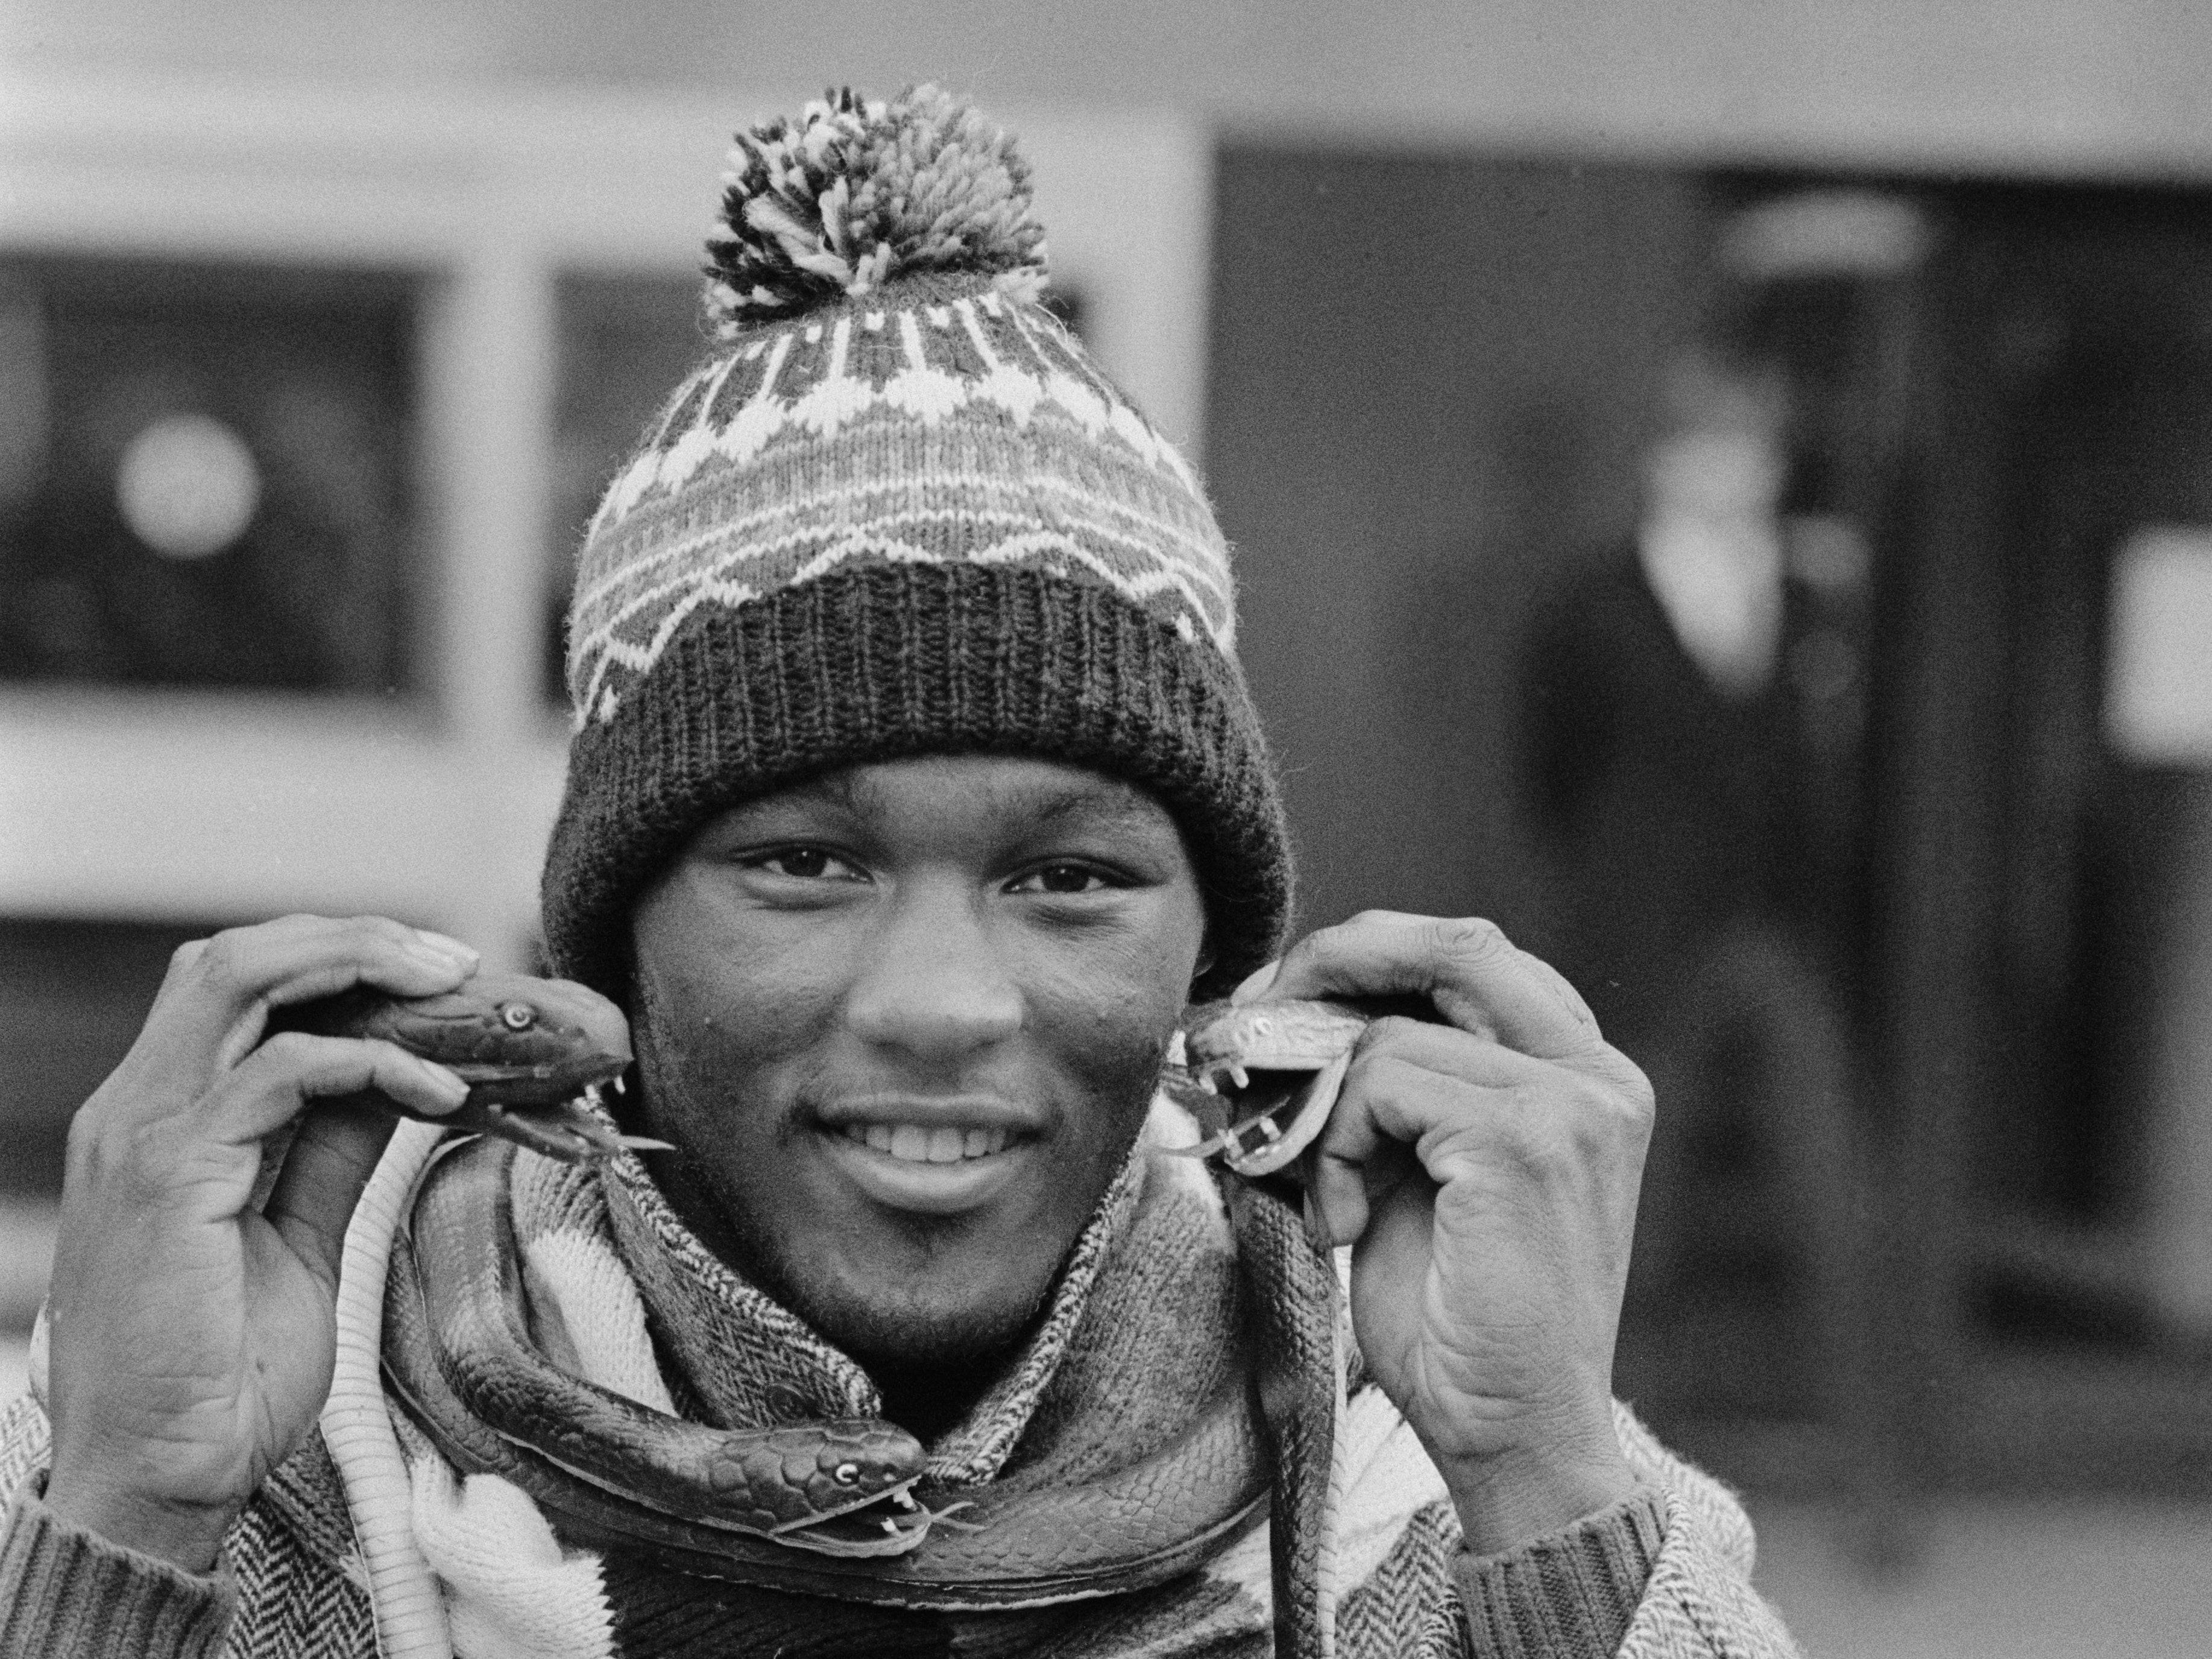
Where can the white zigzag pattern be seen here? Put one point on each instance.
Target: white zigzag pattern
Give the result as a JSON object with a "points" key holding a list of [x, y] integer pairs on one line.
{"points": [[1138, 586], [919, 391], [1152, 540], [604, 648]]}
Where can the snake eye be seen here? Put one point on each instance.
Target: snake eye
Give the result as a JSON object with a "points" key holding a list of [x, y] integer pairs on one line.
{"points": [[517, 1017], [846, 1474]]}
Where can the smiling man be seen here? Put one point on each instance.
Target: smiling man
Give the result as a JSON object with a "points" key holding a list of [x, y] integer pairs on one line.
{"points": [[915, 792], [955, 977]]}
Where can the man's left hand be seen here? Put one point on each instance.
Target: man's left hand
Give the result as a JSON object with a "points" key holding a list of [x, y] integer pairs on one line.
{"points": [[1486, 1170]]}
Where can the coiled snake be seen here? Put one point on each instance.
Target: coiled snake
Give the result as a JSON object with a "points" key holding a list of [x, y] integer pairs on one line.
{"points": [[826, 1506]]}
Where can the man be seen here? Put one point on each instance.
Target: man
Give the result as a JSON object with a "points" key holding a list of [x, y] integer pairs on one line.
{"points": [[915, 792]]}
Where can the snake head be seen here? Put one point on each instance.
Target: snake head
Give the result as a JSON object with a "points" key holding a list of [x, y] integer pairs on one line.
{"points": [[841, 1488], [514, 1040], [1276, 1067], [533, 1052]]}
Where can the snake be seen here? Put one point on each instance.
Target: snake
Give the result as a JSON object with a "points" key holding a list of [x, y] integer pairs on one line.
{"points": [[1275, 1070], [534, 1054], [821, 1506]]}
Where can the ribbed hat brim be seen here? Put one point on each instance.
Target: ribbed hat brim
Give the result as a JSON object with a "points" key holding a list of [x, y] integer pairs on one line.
{"points": [[886, 661]]}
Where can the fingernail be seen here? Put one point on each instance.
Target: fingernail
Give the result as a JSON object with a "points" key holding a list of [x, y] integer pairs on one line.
{"points": [[1255, 983], [449, 1086], [451, 947], [440, 962]]}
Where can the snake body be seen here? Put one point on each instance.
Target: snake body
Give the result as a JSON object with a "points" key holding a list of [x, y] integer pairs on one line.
{"points": [[1138, 1526], [788, 1483], [825, 1508], [356, 1423]]}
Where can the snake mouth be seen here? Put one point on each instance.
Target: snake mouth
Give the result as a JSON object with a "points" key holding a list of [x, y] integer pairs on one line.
{"points": [[889, 1523], [1258, 1103], [544, 1084], [555, 1108], [1272, 1113]]}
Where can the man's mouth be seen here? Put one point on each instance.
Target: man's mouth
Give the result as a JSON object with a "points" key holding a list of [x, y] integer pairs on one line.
{"points": [[914, 1143], [935, 1156]]}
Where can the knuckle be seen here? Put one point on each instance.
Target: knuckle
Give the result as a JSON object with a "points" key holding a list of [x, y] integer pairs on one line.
{"points": [[1625, 1088], [1587, 1101], [1561, 987], [1595, 1119], [368, 933], [1466, 938], [220, 958]]}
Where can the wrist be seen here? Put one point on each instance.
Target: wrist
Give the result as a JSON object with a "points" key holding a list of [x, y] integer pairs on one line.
{"points": [[188, 1536], [1514, 1498]]}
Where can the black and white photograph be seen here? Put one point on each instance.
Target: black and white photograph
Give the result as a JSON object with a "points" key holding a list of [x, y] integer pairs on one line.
{"points": [[1192, 829]]}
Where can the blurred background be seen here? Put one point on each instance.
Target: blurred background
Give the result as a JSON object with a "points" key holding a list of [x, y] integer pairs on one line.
{"points": [[1723, 489]]}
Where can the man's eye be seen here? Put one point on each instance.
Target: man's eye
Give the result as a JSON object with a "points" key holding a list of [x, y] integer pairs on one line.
{"points": [[806, 865], [1062, 878]]}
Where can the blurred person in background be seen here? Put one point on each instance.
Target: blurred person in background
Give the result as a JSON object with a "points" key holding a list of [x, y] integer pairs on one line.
{"points": [[1668, 760], [916, 791]]}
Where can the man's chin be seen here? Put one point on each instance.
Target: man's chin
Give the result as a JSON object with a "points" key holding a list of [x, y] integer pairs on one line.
{"points": [[937, 1313], [883, 1331]]}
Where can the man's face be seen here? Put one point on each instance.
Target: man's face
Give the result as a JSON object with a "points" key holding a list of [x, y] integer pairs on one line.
{"points": [[903, 1023]]}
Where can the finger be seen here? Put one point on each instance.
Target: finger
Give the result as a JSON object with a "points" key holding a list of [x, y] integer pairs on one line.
{"points": [[1509, 1116], [1475, 976], [1342, 1191], [1474, 1057], [329, 1162], [1255, 984], [181, 963], [1370, 1142], [275, 1084], [1452, 1051], [213, 1006]]}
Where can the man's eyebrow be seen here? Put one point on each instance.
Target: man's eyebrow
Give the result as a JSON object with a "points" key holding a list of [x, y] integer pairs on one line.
{"points": [[835, 788], [1109, 798], [1039, 804]]}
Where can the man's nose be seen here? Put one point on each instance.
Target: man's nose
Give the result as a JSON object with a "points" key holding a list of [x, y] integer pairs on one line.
{"points": [[937, 986]]}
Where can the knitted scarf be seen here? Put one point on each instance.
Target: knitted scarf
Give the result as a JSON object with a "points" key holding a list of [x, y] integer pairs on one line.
{"points": [[1161, 1364]]}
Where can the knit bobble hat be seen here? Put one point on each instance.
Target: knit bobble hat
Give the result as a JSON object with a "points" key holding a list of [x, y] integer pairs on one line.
{"points": [[896, 510]]}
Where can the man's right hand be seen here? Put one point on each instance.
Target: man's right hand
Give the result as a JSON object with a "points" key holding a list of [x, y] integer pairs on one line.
{"points": [[192, 1335]]}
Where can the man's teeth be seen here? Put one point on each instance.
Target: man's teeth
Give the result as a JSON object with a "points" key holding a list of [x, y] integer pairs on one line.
{"points": [[914, 1144]]}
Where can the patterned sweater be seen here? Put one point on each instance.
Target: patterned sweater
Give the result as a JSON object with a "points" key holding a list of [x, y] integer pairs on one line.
{"points": [[1664, 1575]]}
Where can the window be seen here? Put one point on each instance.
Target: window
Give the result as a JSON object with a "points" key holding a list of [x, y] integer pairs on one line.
{"points": [[205, 475]]}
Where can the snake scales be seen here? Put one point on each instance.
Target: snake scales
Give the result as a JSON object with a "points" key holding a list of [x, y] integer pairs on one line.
{"points": [[825, 1507]]}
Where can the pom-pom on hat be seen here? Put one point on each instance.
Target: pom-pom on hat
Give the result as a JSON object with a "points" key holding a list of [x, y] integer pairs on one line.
{"points": [[858, 193], [896, 510]]}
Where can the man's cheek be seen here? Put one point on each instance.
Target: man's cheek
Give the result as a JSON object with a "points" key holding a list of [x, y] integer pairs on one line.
{"points": [[1121, 1063]]}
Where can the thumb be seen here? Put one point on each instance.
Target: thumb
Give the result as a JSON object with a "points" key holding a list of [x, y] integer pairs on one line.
{"points": [[330, 1161]]}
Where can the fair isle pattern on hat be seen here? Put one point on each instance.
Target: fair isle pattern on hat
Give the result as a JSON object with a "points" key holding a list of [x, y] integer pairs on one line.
{"points": [[947, 423]]}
